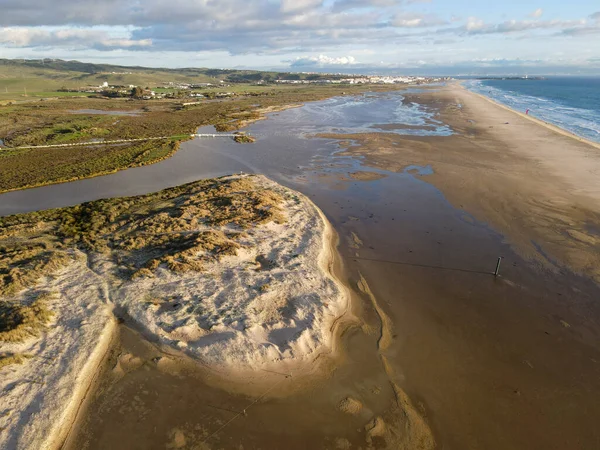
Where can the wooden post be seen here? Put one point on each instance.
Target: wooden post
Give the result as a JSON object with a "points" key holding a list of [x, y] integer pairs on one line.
{"points": [[498, 266]]}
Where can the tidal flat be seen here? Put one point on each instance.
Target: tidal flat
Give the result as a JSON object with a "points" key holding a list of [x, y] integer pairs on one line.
{"points": [[232, 273]]}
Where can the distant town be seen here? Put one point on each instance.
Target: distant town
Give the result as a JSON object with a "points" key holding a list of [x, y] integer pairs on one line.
{"points": [[369, 79], [178, 90]]}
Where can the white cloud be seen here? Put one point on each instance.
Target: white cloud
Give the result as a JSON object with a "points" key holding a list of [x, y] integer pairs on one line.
{"points": [[125, 43], [322, 61], [342, 5], [263, 30], [474, 24], [537, 13], [478, 26], [72, 38], [412, 20], [288, 6]]}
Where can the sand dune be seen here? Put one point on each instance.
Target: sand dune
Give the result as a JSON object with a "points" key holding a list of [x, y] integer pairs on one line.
{"points": [[269, 301]]}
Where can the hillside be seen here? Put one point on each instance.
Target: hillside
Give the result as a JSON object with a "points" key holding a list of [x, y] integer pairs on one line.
{"points": [[48, 75]]}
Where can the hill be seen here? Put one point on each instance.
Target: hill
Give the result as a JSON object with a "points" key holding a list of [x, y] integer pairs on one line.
{"points": [[48, 75]]}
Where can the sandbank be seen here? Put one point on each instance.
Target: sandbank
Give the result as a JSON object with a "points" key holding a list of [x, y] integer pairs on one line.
{"points": [[235, 274]]}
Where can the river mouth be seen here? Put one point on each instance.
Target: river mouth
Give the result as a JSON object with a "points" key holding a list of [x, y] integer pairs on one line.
{"points": [[463, 341]]}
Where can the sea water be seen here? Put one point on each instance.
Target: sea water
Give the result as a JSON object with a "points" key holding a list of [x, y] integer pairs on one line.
{"points": [[571, 103]]}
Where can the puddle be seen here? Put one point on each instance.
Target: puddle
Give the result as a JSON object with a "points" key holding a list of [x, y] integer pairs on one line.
{"points": [[593, 229]]}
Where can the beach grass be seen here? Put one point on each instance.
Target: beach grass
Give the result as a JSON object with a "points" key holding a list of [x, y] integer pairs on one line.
{"points": [[8, 359], [175, 228], [19, 322]]}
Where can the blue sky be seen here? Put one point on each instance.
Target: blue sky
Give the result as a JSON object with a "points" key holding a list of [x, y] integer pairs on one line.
{"points": [[454, 36]]}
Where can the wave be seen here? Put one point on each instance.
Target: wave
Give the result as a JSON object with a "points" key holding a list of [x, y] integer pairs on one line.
{"points": [[580, 121]]}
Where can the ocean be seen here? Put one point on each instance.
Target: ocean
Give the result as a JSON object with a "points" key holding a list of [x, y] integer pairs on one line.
{"points": [[571, 103]]}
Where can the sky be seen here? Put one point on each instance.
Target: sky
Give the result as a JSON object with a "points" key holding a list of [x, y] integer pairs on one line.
{"points": [[350, 36]]}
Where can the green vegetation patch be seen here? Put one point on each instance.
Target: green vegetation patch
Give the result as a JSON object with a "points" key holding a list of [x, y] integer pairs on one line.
{"points": [[243, 138], [67, 130], [36, 167]]}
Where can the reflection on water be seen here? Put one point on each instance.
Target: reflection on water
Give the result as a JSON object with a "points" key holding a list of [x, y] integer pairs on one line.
{"points": [[364, 114]]}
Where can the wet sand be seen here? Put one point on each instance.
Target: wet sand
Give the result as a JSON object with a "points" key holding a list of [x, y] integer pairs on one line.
{"points": [[539, 187], [149, 398], [512, 362]]}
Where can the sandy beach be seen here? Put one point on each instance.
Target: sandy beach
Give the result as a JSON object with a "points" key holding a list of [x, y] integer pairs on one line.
{"points": [[248, 294], [529, 180], [499, 363]]}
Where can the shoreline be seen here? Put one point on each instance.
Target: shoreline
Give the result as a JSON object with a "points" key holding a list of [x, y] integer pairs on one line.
{"points": [[534, 119], [514, 346], [531, 183]]}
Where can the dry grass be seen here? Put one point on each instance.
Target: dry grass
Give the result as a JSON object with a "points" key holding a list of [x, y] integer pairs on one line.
{"points": [[243, 138], [19, 322], [179, 252], [179, 228], [7, 359], [23, 262]]}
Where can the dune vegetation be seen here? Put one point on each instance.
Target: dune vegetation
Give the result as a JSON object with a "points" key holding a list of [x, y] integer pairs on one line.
{"points": [[173, 227]]}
